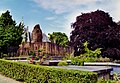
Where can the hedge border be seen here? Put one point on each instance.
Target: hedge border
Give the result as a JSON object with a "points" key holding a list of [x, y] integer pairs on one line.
{"points": [[43, 74]]}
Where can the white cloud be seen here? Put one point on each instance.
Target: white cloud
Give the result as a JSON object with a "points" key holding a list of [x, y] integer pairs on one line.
{"points": [[2, 11], [31, 25], [50, 18], [115, 12], [74, 8], [61, 6], [112, 9]]}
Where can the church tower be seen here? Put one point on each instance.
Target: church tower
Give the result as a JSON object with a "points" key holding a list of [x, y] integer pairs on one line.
{"points": [[37, 34]]}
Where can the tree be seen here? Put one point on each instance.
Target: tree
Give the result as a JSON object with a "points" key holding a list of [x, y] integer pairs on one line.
{"points": [[10, 34], [99, 30], [59, 38]]}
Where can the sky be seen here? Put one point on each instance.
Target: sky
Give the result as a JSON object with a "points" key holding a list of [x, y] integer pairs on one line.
{"points": [[56, 15]]}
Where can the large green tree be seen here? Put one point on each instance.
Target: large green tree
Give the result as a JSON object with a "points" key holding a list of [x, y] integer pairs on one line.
{"points": [[10, 34], [59, 38]]}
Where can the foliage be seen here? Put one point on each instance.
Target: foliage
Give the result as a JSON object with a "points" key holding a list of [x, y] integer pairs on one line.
{"points": [[116, 76], [99, 30], [42, 74], [88, 56], [3, 55], [32, 54], [28, 58], [76, 61], [101, 59], [10, 34], [39, 51], [91, 53], [79, 60], [62, 63], [44, 57], [59, 38], [68, 56], [116, 79], [106, 81], [33, 57]]}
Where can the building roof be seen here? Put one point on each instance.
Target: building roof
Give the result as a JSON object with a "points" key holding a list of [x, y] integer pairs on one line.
{"points": [[45, 38]]}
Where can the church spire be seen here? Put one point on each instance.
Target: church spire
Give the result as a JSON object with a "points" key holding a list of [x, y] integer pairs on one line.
{"points": [[22, 22]]}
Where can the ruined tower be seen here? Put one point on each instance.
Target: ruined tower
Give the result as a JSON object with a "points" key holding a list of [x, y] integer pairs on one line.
{"points": [[37, 34]]}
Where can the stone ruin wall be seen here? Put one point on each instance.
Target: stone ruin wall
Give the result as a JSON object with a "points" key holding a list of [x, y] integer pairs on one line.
{"points": [[47, 48], [37, 34]]}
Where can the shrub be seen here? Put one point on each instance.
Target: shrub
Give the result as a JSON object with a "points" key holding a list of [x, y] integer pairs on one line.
{"points": [[101, 59], [88, 56], [62, 63], [106, 81], [76, 61], [28, 58], [115, 80], [30, 73], [32, 54], [79, 60]]}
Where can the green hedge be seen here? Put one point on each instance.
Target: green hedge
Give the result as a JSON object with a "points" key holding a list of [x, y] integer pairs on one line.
{"points": [[62, 63], [42, 74]]}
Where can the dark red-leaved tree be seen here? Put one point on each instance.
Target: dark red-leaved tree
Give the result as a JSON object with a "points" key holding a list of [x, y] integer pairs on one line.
{"points": [[99, 30]]}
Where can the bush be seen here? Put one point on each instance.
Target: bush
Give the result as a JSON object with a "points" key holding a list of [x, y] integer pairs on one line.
{"points": [[76, 61], [43, 74], [106, 81], [62, 63], [88, 56], [79, 60], [28, 58], [115, 79], [101, 59]]}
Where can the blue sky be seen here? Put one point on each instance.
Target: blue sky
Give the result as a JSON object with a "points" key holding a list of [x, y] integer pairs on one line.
{"points": [[56, 15]]}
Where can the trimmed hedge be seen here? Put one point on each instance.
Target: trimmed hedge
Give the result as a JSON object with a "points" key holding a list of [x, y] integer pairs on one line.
{"points": [[62, 63], [43, 74]]}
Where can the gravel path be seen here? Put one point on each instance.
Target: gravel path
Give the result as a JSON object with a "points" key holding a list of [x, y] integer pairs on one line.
{"points": [[4, 79]]}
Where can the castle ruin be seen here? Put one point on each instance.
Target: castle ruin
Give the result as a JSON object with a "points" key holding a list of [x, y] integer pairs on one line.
{"points": [[39, 41]]}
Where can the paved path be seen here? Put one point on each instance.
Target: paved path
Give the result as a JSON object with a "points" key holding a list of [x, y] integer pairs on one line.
{"points": [[4, 79], [101, 64], [87, 68]]}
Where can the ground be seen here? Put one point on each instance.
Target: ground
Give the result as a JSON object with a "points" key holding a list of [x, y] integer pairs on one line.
{"points": [[4, 79]]}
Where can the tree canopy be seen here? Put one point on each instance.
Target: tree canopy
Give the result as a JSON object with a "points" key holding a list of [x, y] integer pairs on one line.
{"points": [[99, 30], [10, 34], [59, 38]]}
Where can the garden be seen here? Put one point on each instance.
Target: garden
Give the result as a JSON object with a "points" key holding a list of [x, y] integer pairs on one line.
{"points": [[94, 39]]}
